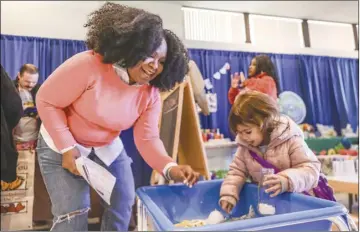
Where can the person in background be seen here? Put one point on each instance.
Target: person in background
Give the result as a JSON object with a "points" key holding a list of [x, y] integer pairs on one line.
{"points": [[262, 77], [26, 135], [11, 112], [93, 96], [26, 132], [260, 129]]}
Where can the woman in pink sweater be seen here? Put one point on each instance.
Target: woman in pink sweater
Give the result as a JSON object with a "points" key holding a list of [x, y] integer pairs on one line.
{"points": [[93, 96], [277, 139]]}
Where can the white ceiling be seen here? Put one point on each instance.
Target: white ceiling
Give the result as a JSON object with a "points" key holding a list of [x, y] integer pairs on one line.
{"points": [[335, 11]]}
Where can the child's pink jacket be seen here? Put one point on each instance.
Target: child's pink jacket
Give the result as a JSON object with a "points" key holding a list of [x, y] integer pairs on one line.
{"points": [[287, 151]]}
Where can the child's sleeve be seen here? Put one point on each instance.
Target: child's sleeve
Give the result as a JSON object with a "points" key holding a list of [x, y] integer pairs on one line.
{"points": [[233, 92], [235, 178], [265, 85], [305, 167]]}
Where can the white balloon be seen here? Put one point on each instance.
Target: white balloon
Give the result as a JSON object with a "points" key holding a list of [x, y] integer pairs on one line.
{"points": [[208, 84], [217, 76]]}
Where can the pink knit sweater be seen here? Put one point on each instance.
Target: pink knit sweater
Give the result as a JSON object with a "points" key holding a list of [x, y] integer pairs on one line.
{"points": [[84, 101]]}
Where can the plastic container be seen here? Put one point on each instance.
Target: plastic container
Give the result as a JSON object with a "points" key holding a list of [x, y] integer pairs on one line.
{"points": [[264, 198], [161, 207]]}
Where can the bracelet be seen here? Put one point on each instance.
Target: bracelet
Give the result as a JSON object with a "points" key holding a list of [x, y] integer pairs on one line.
{"points": [[167, 174]]}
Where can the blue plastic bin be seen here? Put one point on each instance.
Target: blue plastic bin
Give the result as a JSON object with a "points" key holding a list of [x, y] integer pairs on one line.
{"points": [[165, 206]]}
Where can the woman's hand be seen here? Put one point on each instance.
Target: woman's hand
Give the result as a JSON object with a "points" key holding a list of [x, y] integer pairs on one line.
{"points": [[185, 174], [277, 184], [226, 206], [68, 160]]}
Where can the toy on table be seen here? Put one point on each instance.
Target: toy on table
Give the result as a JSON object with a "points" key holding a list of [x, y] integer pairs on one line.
{"points": [[219, 174], [346, 142], [339, 147], [348, 132], [326, 131], [323, 152], [309, 131], [331, 152], [343, 148], [208, 134], [348, 152]]}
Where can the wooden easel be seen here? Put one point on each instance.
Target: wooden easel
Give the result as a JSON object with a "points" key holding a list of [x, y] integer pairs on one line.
{"points": [[180, 131]]}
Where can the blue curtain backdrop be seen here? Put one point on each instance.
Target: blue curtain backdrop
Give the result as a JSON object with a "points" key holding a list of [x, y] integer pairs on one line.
{"points": [[328, 85], [46, 54]]}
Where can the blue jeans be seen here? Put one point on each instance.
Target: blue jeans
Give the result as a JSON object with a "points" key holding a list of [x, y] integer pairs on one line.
{"points": [[70, 194]]}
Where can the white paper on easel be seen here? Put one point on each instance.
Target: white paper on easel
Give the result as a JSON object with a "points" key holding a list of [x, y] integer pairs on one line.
{"points": [[100, 179]]}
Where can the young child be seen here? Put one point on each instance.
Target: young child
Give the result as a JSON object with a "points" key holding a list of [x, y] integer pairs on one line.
{"points": [[259, 127], [262, 77]]}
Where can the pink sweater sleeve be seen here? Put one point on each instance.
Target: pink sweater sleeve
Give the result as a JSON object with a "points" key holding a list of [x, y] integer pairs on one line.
{"points": [[305, 167], [147, 137], [235, 178], [61, 89]]}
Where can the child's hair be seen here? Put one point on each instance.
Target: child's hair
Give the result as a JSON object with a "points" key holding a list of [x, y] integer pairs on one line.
{"points": [[264, 64], [253, 107]]}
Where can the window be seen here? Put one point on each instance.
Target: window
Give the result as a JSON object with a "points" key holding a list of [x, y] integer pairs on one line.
{"points": [[328, 35], [214, 26], [268, 31]]}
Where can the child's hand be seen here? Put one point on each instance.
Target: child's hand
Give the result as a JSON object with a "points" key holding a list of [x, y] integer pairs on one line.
{"points": [[242, 77], [277, 184], [226, 206], [235, 80]]}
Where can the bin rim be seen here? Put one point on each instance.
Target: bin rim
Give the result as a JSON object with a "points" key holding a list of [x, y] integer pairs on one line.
{"points": [[333, 209]]}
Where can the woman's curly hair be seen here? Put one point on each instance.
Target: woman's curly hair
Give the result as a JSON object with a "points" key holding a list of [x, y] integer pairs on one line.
{"points": [[126, 35]]}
